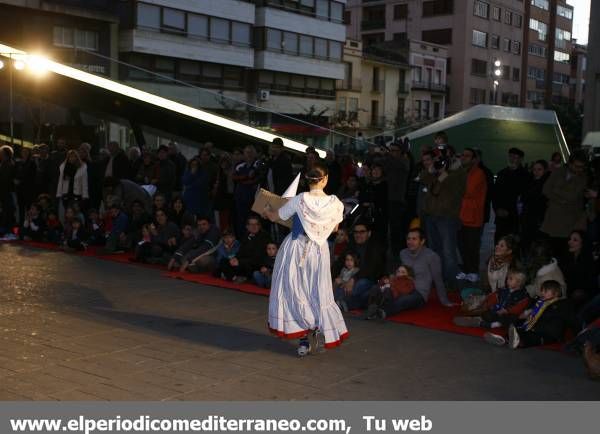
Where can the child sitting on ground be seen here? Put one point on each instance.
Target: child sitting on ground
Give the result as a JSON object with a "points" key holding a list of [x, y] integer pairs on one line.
{"points": [[339, 284], [33, 224], [340, 243], [544, 323], [53, 227], [263, 276], [228, 249], [94, 227], [500, 308], [77, 237], [389, 289]]}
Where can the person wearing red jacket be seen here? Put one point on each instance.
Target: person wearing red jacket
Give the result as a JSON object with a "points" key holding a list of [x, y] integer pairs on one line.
{"points": [[472, 213]]}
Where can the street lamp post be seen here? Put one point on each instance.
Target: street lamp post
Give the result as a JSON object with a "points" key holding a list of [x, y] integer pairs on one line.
{"points": [[496, 76]]}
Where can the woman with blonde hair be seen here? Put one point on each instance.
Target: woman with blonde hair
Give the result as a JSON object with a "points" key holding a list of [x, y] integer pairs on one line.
{"points": [[72, 180]]}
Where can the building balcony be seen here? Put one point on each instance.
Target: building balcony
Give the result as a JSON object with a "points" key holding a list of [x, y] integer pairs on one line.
{"points": [[372, 24], [378, 121], [378, 86], [427, 85], [353, 85], [403, 89]]}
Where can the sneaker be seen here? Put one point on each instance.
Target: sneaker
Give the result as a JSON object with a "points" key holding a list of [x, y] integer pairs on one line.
{"points": [[343, 306], [461, 276], [494, 339], [513, 337], [496, 325], [371, 312], [381, 314], [472, 277], [304, 347], [239, 279], [467, 321]]}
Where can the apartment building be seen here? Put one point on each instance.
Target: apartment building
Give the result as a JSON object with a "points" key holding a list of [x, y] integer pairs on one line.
{"points": [[578, 71], [476, 34], [547, 58], [591, 106]]}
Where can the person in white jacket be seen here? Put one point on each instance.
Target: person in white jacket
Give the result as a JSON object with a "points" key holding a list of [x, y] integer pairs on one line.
{"points": [[72, 180]]}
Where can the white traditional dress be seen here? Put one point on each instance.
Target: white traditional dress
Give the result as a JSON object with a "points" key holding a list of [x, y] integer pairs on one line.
{"points": [[301, 297]]}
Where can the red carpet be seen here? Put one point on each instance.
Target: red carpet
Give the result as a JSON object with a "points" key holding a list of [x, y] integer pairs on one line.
{"points": [[433, 316]]}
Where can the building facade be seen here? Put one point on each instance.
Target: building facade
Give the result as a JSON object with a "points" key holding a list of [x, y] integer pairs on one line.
{"points": [[578, 71], [591, 105], [475, 33]]}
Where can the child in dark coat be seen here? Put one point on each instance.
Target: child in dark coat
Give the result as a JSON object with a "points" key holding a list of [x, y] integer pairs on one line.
{"points": [[262, 276]]}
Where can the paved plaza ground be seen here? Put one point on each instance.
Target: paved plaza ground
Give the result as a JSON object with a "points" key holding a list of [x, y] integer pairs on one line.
{"points": [[78, 328]]}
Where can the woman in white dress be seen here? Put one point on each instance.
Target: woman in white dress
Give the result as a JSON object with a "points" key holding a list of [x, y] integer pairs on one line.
{"points": [[301, 304]]}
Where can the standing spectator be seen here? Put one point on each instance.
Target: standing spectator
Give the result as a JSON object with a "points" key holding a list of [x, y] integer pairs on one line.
{"points": [[223, 193], [472, 211], [195, 188], [489, 176], [335, 173], [116, 241], [180, 163], [127, 192], [397, 168], [94, 173], [427, 268], [44, 176], [555, 162], [148, 170], [279, 168], [179, 215], [371, 257], [166, 181], [508, 187], [565, 191], [56, 158], [374, 196], [246, 178], [72, 180], [25, 180], [134, 154], [117, 165], [426, 166], [534, 204]]}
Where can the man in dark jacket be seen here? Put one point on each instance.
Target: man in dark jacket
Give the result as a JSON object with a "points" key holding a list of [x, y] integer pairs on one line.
{"points": [[118, 164], [278, 168], [198, 254], [252, 250], [509, 185], [180, 163], [371, 263], [167, 172], [127, 192]]}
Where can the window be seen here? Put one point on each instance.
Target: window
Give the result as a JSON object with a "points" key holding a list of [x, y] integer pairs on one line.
{"points": [[536, 73], [506, 44], [516, 76], [495, 42], [290, 43], [562, 37], [197, 25], [561, 57], [322, 9], [219, 29], [448, 65], [561, 78], [86, 40], [564, 12], [440, 36], [335, 50], [517, 20], [479, 39], [173, 19], [189, 69], [342, 104], [436, 110], [418, 108], [481, 9], [506, 72], [306, 45], [542, 4], [496, 13], [508, 17], [240, 33], [353, 105], [337, 12], [148, 16], [274, 39], [535, 97], [437, 78], [478, 67], [537, 50], [376, 83], [400, 12], [400, 36], [426, 105], [63, 37], [516, 47], [438, 7], [321, 48], [540, 27], [477, 96], [417, 74], [347, 17]]}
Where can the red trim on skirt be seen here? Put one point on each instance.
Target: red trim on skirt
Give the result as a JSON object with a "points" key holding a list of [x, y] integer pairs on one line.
{"points": [[303, 333]]}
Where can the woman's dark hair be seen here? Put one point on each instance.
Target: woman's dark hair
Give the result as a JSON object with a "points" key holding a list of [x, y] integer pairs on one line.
{"points": [[586, 245], [512, 242], [542, 163], [316, 174]]}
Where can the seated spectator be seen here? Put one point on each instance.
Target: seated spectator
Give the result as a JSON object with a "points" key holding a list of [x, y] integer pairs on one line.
{"points": [[590, 312], [579, 269], [164, 236], [262, 276], [428, 272], [54, 229], [127, 192], [139, 218], [504, 259], [545, 323], [240, 267], [116, 241], [542, 267], [385, 299], [371, 258], [33, 224], [346, 273], [340, 243], [77, 237], [198, 254], [68, 223], [159, 203], [227, 249], [95, 228], [179, 215], [502, 307]]}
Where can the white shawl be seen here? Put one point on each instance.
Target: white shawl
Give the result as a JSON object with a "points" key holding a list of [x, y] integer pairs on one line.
{"points": [[319, 214]]}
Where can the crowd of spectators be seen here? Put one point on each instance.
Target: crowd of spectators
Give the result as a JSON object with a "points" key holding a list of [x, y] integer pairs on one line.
{"points": [[413, 222]]}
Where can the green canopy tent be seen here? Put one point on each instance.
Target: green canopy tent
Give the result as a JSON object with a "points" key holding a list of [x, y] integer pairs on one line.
{"points": [[496, 129]]}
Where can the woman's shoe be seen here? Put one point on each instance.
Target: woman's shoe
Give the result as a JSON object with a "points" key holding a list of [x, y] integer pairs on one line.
{"points": [[304, 348]]}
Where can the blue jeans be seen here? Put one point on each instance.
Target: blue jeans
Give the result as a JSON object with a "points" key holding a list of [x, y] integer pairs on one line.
{"points": [[261, 279], [360, 294], [404, 302], [442, 235]]}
